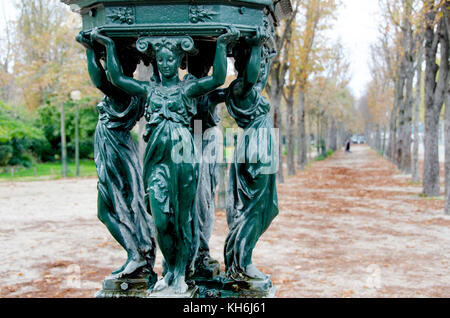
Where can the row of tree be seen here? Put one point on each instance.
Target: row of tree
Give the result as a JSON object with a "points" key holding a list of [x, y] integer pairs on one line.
{"points": [[308, 84], [41, 64], [410, 73]]}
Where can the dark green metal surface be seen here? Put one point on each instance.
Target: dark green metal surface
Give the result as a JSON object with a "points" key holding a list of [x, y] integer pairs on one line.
{"points": [[168, 197], [195, 18], [121, 204], [170, 104]]}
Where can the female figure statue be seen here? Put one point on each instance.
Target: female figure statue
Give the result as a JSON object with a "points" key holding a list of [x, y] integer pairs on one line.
{"points": [[120, 188], [170, 186], [205, 265], [252, 201]]}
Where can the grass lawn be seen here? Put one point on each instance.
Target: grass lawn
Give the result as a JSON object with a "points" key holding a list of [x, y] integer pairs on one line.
{"points": [[45, 171]]}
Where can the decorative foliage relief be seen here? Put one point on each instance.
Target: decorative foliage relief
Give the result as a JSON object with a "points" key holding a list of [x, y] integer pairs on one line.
{"points": [[200, 14], [122, 15]]}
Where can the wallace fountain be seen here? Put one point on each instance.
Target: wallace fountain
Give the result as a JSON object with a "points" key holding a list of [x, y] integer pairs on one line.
{"points": [[167, 200]]}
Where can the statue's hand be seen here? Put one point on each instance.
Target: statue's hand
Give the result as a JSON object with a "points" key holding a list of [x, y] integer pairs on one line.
{"points": [[100, 38], [231, 36], [84, 38], [260, 37], [154, 78], [272, 54]]}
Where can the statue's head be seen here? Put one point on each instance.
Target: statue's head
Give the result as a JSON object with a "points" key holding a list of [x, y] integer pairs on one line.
{"points": [[128, 61], [265, 62], [168, 57], [168, 52], [264, 67], [129, 65], [241, 55]]}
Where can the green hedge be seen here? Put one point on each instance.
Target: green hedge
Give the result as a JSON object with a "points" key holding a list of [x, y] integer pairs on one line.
{"points": [[29, 137]]}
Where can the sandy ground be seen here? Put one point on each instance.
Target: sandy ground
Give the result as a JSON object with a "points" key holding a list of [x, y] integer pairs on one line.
{"points": [[349, 226]]}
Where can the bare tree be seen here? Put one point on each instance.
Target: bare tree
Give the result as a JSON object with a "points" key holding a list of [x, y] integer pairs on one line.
{"points": [[6, 59], [446, 18], [143, 74], [277, 79], [417, 102], [436, 86]]}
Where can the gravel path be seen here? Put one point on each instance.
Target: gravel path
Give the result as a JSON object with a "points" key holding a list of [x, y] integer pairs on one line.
{"points": [[349, 226]]}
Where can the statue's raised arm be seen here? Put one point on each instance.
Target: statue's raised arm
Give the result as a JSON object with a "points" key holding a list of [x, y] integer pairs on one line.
{"points": [[249, 63], [95, 69], [120, 203], [115, 73], [252, 201], [208, 83]]}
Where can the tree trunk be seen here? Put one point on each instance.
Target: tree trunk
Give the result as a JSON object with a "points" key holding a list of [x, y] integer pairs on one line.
{"points": [[308, 138], [275, 100], [277, 79], [222, 175], [143, 74], [318, 137], [77, 141], [63, 142], [447, 117], [409, 100], [400, 105], [405, 76], [405, 164], [392, 134], [431, 158], [367, 134], [332, 135], [417, 101], [434, 99], [290, 123], [378, 138], [301, 142], [431, 162], [324, 135], [447, 153], [342, 135]]}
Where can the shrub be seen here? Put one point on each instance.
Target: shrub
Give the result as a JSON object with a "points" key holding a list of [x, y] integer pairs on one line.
{"points": [[6, 153], [17, 135]]}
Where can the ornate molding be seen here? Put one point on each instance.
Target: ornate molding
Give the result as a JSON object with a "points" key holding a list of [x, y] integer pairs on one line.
{"points": [[200, 14], [185, 43], [121, 15]]}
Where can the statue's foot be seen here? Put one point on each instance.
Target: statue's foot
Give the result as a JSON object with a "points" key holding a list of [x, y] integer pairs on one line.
{"points": [[208, 260], [206, 267], [117, 271], [179, 285], [130, 267], [164, 282], [252, 272]]}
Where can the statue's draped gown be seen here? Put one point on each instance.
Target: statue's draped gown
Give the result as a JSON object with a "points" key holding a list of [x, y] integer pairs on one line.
{"points": [[252, 201], [170, 184], [207, 178], [120, 185]]}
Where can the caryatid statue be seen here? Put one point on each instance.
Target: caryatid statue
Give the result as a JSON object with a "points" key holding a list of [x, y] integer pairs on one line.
{"points": [[120, 186], [167, 204], [252, 201], [170, 177], [207, 136]]}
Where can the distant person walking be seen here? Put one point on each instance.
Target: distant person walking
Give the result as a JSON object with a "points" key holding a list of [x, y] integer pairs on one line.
{"points": [[347, 145]]}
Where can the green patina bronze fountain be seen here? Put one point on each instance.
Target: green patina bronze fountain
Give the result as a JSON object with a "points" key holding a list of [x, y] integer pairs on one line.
{"points": [[168, 200]]}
